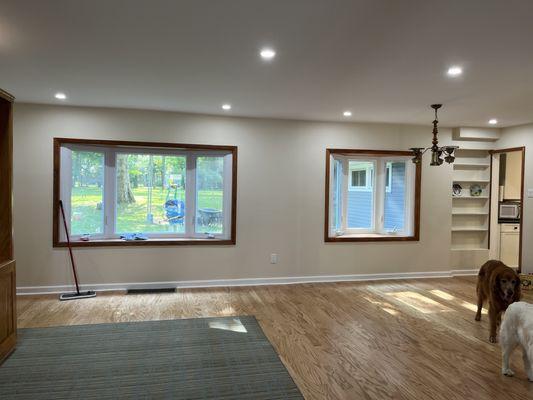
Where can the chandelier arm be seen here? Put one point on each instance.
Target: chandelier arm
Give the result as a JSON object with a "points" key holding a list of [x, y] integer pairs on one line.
{"points": [[439, 153]]}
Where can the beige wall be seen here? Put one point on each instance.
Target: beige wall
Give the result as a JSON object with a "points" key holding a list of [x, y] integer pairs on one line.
{"points": [[280, 199], [516, 137]]}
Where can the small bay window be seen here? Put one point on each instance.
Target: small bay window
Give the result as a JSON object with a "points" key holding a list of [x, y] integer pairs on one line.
{"points": [[371, 195]]}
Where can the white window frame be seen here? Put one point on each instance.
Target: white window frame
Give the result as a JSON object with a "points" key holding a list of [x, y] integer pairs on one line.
{"points": [[378, 210], [368, 173], [388, 186], [109, 189], [369, 179]]}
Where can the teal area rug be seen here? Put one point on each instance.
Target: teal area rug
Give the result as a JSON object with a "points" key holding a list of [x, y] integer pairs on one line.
{"points": [[203, 358]]}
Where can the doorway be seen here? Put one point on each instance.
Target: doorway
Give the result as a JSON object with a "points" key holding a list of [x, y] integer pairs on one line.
{"points": [[506, 209]]}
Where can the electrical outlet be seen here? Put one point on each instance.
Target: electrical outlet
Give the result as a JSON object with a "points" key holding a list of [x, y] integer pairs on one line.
{"points": [[273, 258], [530, 193]]}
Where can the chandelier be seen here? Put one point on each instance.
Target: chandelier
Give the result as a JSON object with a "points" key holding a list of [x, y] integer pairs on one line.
{"points": [[438, 154]]}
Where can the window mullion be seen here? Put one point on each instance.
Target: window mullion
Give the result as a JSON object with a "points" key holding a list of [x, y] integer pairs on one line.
{"points": [[379, 193], [110, 190], [226, 200], [190, 195], [345, 173], [409, 197], [66, 188]]}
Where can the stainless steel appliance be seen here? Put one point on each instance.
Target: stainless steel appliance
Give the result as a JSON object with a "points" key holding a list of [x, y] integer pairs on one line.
{"points": [[509, 211]]}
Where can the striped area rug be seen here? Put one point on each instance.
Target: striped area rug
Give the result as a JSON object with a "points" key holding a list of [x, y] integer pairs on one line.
{"points": [[203, 358]]}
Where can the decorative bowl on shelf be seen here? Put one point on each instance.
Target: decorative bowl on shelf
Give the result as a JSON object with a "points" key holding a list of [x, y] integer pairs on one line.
{"points": [[475, 190], [457, 189]]}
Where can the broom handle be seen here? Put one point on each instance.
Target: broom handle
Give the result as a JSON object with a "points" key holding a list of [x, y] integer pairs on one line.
{"points": [[69, 247]]}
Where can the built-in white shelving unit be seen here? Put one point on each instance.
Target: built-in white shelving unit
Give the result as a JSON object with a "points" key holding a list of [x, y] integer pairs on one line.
{"points": [[470, 214]]}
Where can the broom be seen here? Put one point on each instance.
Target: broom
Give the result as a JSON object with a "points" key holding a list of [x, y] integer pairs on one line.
{"points": [[77, 294]]}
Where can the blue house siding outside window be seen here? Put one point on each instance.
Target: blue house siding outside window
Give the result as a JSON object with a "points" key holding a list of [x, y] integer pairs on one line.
{"points": [[360, 202], [359, 208], [395, 199]]}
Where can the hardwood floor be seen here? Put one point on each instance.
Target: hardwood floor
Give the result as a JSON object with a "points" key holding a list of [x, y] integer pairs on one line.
{"points": [[410, 339]]}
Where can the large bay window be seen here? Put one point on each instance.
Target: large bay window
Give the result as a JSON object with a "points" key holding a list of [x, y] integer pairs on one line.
{"points": [[371, 195], [144, 193]]}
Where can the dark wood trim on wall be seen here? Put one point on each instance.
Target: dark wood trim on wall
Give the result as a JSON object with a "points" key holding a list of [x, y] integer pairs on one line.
{"points": [[58, 142], [158, 145], [150, 242], [417, 199], [56, 194], [370, 152], [7, 96], [522, 210], [326, 192], [6, 179], [490, 202], [233, 238], [508, 150], [8, 306]]}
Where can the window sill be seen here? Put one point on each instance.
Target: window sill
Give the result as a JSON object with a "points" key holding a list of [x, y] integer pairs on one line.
{"points": [[149, 242], [371, 237]]}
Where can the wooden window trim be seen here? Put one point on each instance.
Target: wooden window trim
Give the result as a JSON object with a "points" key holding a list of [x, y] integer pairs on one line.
{"points": [[417, 199], [58, 142]]}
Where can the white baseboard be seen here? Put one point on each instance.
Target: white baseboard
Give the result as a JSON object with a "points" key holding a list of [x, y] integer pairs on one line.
{"points": [[27, 290]]}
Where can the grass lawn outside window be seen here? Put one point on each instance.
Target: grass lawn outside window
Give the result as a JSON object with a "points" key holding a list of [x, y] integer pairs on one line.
{"points": [[86, 217]]}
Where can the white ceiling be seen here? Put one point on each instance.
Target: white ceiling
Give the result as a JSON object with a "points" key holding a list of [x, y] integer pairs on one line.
{"points": [[385, 60]]}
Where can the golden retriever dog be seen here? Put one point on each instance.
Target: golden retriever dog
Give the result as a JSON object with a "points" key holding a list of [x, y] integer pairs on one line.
{"points": [[500, 285]]}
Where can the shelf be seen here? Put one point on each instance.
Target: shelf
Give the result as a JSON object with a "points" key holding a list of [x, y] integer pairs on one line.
{"points": [[469, 229], [471, 180], [470, 213], [471, 165], [470, 197], [469, 249]]}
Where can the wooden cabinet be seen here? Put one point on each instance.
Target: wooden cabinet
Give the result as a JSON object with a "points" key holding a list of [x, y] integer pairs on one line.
{"points": [[8, 315], [513, 176], [510, 244], [8, 312]]}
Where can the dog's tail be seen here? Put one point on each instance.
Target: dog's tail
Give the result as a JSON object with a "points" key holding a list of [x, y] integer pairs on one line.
{"points": [[481, 277]]}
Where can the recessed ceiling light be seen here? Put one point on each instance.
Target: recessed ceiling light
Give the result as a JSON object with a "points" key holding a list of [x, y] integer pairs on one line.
{"points": [[347, 113], [226, 107], [60, 96], [267, 54], [455, 70], [493, 121]]}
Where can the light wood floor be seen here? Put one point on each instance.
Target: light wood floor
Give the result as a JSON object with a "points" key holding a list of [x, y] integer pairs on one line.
{"points": [[412, 339]]}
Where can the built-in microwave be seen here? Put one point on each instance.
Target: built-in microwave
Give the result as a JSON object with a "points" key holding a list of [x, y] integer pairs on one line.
{"points": [[509, 210]]}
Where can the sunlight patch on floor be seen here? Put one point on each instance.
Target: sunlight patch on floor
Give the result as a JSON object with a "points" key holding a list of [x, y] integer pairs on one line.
{"points": [[443, 295], [472, 307], [446, 296], [227, 311], [234, 325], [387, 307], [419, 302]]}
